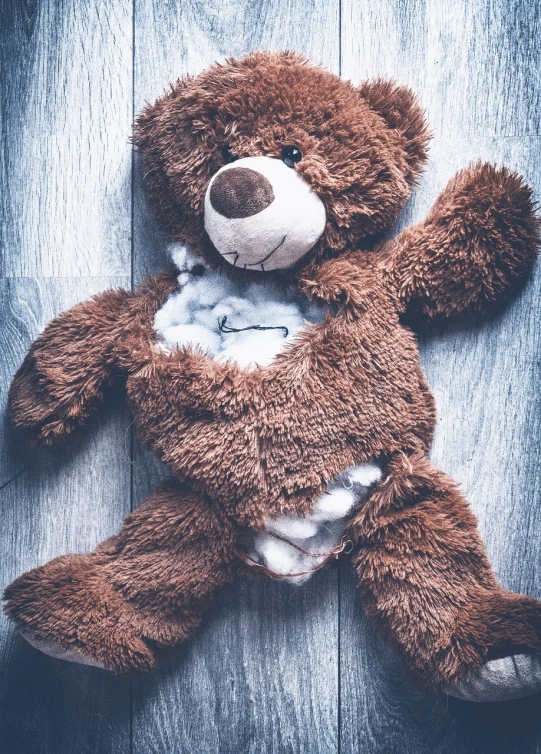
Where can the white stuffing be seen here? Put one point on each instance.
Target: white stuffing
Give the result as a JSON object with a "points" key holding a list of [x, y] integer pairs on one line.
{"points": [[292, 526], [293, 547], [333, 504], [365, 474], [283, 558], [191, 315]]}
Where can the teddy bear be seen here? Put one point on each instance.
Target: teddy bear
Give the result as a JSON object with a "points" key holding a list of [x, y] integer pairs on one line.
{"points": [[276, 372]]}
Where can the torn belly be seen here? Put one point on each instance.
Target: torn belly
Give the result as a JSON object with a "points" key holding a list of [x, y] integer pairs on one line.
{"points": [[292, 548], [231, 320], [248, 323]]}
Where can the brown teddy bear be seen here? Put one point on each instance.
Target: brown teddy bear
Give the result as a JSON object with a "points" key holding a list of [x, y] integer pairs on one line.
{"points": [[277, 378]]}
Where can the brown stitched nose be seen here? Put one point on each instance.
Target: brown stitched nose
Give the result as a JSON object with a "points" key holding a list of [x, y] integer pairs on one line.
{"points": [[240, 192]]}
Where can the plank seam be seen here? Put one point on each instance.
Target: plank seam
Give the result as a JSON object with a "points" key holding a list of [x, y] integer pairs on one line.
{"points": [[132, 262], [339, 590]]}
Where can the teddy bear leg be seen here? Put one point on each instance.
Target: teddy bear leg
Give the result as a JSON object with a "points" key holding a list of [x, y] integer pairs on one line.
{"points": [[509, 625], [139, 592], [427, 582]]}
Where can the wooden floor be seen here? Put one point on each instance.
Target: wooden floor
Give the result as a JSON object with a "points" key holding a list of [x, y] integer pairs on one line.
{"points": [[275, 668]]}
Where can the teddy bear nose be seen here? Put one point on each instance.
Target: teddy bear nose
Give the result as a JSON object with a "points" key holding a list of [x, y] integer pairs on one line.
{"points": [[240, 192]]}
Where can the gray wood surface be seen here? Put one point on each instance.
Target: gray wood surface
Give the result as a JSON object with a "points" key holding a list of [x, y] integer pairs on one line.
{"points": [[274, 668], [476, 68], [262, 675]]}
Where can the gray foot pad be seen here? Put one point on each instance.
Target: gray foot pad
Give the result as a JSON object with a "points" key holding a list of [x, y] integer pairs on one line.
{"points": [[500, 680], [51, 648]]}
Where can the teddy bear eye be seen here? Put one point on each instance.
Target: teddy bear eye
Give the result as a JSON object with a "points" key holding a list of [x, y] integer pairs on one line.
{"points": [[291, 155], [228, 155]]}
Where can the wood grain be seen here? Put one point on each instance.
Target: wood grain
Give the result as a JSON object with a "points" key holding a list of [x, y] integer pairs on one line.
{"points": [[65, 201], [472, 65], [64, 499], [262, 674], [274, 668], [66, 109], [476, 63]]}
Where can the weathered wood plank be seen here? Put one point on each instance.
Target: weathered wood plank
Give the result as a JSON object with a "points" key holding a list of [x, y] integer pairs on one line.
{"points": [[259, 676], [478, 79], [65, 200], [66, 109], [262, 673], [64, 499], [475, 63]]}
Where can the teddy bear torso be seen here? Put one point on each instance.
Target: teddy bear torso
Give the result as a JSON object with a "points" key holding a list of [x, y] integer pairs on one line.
{"points": [[290, 547], [333, 399]]}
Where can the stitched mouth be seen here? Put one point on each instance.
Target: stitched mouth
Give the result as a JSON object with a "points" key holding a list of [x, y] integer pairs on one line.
{"points": [[261, 262], [266, 258]]}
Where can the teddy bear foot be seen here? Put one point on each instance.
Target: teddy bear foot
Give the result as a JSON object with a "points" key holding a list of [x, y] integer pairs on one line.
{"points": [[53, 649], [70, 609], [506, 678]]}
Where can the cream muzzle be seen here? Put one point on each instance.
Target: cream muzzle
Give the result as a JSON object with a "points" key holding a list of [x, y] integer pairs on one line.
{"points": [[261, 214]]}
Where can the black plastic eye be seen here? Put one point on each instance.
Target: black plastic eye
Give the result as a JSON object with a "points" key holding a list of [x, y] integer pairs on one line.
{"points": [[228, 155], [291, 155]]}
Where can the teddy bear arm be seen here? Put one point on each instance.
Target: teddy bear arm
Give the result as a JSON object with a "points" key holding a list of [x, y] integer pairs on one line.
{"points": [[61, 380], [62, 376], [426, 580], [138, 593], [475, 248]]}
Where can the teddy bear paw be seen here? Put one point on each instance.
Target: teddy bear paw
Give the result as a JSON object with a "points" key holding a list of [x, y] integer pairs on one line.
{"points": [[53, 649], [506, 678]]}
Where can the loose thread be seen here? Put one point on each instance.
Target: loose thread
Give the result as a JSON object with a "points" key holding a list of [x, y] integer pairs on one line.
{"points": [[280, 576], [227, 329], [337, 550], [407, 460]]}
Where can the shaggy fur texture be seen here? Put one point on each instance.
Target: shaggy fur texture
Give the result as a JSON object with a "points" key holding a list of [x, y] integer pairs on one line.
{"points": [[245, 446]]}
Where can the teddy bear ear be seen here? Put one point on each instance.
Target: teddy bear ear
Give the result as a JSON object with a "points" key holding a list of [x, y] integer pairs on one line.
{"points": [[151, 124], [158, 135], [160, 122], [401, 111]]}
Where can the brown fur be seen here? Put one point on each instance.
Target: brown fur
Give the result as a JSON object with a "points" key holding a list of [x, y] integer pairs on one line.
{"points": [[426, 579], [246, 445]]}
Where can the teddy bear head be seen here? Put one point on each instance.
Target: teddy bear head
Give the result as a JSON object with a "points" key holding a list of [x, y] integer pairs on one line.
{"points": [[265, 163]]}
